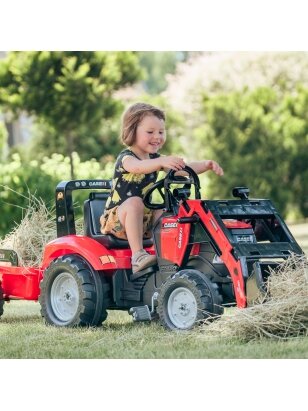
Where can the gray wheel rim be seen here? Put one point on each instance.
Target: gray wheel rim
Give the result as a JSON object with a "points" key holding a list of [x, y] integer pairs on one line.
{"points": [[182, 308], [64, 297]]}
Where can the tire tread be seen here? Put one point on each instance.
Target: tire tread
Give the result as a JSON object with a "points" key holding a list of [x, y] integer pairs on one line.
{"points": [[92, 302]]}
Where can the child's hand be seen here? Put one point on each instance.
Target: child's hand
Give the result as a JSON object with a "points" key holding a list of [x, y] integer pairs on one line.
{"points": [[172, 162], [214, 166]]}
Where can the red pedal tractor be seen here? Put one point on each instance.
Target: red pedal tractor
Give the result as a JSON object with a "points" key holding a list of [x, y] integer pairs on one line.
{"points": [[210, 253]]}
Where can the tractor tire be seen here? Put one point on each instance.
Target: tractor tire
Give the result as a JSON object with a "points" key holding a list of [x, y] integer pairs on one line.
{"points": [[73, 294], [186, 298], [1, 301]]}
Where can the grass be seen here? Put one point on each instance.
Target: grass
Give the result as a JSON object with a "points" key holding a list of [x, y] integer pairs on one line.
{"points": [[300, 232], [23, 334]]}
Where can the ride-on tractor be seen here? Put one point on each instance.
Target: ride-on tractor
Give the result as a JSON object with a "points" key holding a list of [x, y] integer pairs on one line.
{"points": [[210, 253]]}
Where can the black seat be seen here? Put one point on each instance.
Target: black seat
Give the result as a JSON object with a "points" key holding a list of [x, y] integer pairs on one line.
{"points": [[93, 209]]}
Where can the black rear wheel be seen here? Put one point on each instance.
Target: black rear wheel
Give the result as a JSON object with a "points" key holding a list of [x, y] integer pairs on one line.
{"points": [[72, 293], [187, 298]]}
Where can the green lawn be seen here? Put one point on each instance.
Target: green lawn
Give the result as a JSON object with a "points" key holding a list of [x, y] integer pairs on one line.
{"points": [[23, 334]]}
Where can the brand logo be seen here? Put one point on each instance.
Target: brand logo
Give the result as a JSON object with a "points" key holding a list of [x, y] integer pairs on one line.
{"points": [[244, 238], [92, 184], [170, 225], [168, 268], [97, 183], [180, 238]]}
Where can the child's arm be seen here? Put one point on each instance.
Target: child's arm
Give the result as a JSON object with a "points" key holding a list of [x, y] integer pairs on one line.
{"points": [[206, 165], [134, 165], [200, 167]]}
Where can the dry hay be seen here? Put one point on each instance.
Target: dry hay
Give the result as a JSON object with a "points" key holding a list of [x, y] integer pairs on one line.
{"points": [[29, 237], [282, 314], [37, 227]]}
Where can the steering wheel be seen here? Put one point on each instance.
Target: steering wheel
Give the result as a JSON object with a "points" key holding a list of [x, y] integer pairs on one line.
{"points": [[159, 185], [170, 198]]}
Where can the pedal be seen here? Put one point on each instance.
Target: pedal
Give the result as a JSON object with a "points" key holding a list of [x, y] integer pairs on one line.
{"points": [[146, 271], [141, 313]]}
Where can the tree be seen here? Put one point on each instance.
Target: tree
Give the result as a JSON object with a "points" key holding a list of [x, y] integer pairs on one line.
{"points": [[157, 65], [249, 111], [293, 112], [225, 72], [70, 91], [261, 141]]}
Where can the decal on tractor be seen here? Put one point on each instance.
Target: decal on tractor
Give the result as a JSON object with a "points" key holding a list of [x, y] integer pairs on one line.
{"points": [[170, 225]]}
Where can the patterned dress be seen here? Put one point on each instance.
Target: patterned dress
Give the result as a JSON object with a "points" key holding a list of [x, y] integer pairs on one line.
{"points": [[124, 186]]}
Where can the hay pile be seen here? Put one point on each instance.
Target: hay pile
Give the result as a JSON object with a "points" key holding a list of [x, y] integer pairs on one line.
{"points": [[282, 314], [29, 237], [36, 229]]}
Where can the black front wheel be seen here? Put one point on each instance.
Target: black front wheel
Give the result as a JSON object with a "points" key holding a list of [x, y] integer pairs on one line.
{"points": [[72, 294], [187, 298]]}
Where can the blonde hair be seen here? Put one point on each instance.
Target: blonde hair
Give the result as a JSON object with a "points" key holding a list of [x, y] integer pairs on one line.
{"points": [[133, 116]]}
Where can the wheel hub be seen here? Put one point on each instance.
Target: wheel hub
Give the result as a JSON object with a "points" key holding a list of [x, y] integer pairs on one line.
{"points": [[64, 297], [67, 296], [182, 308]]}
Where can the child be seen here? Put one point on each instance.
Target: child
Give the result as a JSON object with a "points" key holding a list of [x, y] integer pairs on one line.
{"points": [[136, 169]]}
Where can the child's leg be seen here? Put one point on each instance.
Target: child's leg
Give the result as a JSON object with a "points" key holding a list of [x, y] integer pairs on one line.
{"points": [[156, 215], [130, 214]]}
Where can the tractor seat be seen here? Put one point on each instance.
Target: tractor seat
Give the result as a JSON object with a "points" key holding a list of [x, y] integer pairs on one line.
{"points": [[93, 209]]}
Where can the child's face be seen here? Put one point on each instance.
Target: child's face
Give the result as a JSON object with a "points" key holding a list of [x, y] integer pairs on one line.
{"points": [[150, 135]]}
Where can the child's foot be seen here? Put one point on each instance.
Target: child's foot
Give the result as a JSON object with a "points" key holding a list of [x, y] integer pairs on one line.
{"points": [[141, 260]]}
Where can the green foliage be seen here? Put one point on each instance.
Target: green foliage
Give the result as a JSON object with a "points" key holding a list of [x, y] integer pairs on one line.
{"points": [[99, 144], [260, 141], [156, 66], [104, 144], [253, 120], [3, 140], [71, 91], [18, 178], [225, 72], [67, 89], [294, 129]]}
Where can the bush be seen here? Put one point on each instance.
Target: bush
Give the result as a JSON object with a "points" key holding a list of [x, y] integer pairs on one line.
{"points": [[259, 138], [3, 140], [18, 178]]}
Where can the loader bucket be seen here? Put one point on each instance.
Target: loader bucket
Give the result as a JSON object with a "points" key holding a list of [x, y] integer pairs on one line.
{"points": [[256, 285]]}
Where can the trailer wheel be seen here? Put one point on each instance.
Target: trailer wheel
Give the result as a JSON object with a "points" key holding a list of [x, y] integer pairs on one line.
{"points": [[1, 301], [187, 298], [72, 294]]}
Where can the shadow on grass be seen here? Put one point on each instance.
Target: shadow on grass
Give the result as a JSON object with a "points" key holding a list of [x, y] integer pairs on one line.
{"points": [[112, 326], [19, 319]]}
